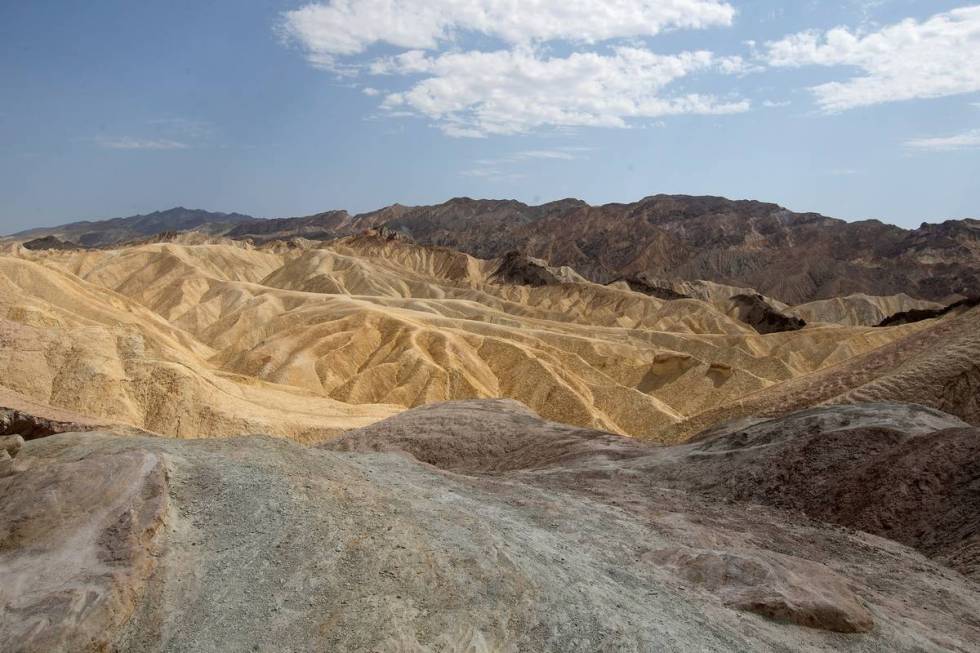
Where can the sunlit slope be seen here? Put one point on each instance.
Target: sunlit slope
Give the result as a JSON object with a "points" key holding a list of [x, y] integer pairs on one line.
{"points": [[937, 364], [367, 322], [73, 345], [859, 309]]}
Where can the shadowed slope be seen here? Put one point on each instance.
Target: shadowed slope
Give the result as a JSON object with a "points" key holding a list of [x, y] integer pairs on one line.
{"points": [[938, 366]]}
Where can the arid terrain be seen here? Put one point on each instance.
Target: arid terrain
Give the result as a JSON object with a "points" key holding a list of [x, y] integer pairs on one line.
{"points": [[792, 257], [681, 424], [197, 336]]}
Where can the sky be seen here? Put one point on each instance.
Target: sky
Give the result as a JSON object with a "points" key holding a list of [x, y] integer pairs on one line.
{"points": [[852, 108]]}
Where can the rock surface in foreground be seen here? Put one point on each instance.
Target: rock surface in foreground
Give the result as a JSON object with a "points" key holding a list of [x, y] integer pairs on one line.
{"points": [[513, 534], [77, 542], [779, 587]]}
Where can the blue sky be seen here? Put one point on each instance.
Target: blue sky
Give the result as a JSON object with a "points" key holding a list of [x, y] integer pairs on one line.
{"points": [[855, 108]]}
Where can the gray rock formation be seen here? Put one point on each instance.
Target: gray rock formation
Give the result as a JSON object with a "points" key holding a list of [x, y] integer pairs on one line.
{"points": [[477, 526], [10, 445]]}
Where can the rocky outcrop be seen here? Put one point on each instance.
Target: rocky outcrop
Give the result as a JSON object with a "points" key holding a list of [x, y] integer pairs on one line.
{"points": [[518, 269], [484, 436], [78, 540], [10, 446], [901, 471], [49, 242], [919, 314], [638, 284], [761, 316], [30, 426], [778, 587]]}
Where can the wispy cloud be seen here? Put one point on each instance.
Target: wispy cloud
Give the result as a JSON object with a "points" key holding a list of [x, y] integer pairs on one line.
{"points": [[504, 167], [125, 143], [492, 174], [169, 133], [547, 154], [563, 153], [775, 104], [183, 128], [967, 140]]}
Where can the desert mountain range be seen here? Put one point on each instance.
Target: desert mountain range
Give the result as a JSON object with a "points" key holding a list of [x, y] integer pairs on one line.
{"points": [[792, 257], [683, 423]]}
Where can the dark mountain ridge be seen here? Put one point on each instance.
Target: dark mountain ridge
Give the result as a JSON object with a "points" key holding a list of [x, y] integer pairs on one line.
{"points": [[793, 257], [97, 233]]}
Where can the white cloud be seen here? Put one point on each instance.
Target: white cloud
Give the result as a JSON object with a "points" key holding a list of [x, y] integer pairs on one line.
{"points": [[966, 140], [347, 27], [773, 104], [518, 86], [937, 57], [126, 143], [513, 91], [371, 92], [459, 131]]}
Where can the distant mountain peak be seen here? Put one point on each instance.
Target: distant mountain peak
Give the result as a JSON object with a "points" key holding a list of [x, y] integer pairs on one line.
{"points": [[98, 233]]}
